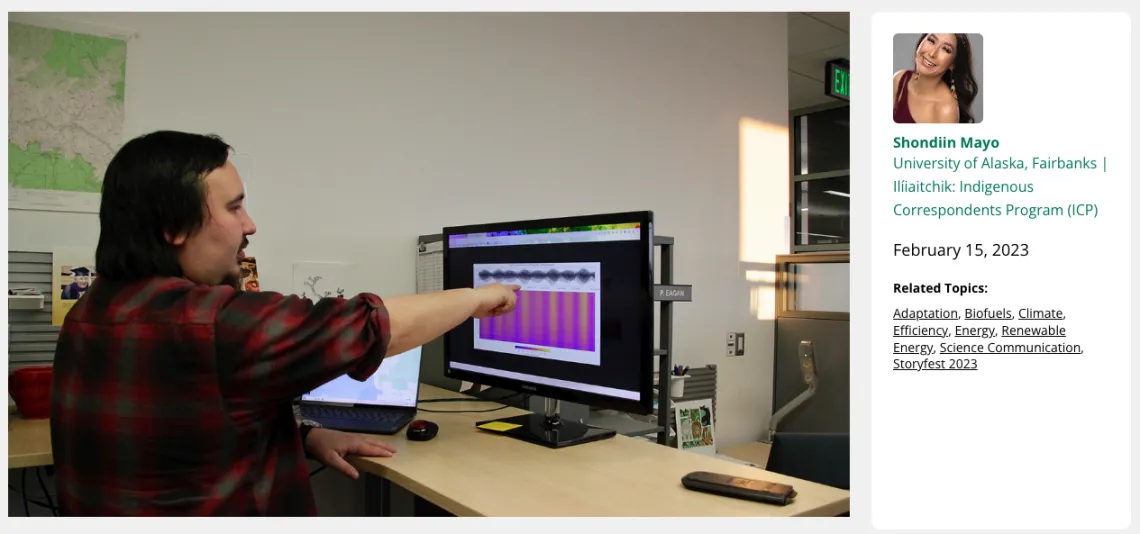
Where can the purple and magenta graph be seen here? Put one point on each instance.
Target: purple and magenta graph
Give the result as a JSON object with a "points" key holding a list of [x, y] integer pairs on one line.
{"points": [[559, 319]]}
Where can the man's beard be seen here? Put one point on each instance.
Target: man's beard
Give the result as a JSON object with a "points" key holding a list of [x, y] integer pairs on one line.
{"points": [[233, 280]]}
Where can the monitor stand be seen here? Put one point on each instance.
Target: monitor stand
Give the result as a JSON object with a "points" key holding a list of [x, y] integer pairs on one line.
{"points": [[547, 429]]}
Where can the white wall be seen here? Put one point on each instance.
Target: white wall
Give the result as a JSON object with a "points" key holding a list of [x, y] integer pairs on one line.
{"points": [[368, 130]]}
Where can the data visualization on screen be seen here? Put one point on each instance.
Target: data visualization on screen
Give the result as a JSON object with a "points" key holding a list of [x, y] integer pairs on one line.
{"points": [[582, 326], [557, 315]]}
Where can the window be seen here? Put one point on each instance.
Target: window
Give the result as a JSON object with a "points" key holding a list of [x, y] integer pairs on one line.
{"points": [[821, 182], [813, 286], [822, 287], [823, 211]]}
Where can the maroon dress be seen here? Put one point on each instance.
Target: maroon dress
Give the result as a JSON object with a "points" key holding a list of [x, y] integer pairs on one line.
{"points": [[902, 105]]}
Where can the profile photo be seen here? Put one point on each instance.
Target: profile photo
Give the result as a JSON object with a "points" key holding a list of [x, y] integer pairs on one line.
{"points": [[937, 78]]}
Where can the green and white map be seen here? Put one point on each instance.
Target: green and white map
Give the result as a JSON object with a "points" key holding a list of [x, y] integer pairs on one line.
{"points": [[65, 116]]}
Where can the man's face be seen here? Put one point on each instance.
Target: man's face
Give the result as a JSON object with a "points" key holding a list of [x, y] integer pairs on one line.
{"points": [[212, 255], [82, 280]]}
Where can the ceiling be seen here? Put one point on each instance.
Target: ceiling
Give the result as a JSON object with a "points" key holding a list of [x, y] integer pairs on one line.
{"points": [[814, 39]]}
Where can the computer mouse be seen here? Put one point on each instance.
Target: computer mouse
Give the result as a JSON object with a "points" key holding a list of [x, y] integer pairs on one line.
{"points": [[422, 430]]}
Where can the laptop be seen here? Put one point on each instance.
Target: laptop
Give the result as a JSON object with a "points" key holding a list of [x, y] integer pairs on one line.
{"points": [[382, 404]]}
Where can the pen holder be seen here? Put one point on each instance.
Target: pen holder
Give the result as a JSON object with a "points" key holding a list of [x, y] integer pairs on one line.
{"points": [[677, 386]]}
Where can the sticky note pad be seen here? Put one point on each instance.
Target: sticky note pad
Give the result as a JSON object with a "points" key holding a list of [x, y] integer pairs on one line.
{"points": [[498, 426]]}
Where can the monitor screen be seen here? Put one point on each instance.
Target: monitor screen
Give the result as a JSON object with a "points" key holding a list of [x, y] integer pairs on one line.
{"points": [[395, 383], [582, 328]]}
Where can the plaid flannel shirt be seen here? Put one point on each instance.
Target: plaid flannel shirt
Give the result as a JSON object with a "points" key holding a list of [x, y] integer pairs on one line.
{"points": [[174, 398]]}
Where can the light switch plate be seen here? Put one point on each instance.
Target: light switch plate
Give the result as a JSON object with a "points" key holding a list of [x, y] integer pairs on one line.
{"points": [[735, 346]]}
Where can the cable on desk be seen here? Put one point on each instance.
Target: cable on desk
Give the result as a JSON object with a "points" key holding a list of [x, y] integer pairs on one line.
{"points": [[474, 411], [471, 399], [464, 411]]}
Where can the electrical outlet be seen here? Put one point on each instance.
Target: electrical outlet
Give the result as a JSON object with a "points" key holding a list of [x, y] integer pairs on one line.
{"points": [[731, 344]]}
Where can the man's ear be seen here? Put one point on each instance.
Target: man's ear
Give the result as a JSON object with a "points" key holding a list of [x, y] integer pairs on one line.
{"points": [[176, 240]]}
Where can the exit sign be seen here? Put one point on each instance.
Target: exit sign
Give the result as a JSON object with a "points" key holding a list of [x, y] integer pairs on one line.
{"points": [[837, 79]]}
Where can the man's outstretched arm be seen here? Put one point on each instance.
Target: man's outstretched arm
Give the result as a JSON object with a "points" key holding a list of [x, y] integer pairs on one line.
{"points": [[273, 347], [418, 319]]}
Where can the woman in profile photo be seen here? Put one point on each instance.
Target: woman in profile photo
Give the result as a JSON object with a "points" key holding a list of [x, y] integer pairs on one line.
{"points": [[941, 87]]}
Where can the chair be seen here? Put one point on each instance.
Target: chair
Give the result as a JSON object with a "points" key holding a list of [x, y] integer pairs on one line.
{"points": [[820, 457]]}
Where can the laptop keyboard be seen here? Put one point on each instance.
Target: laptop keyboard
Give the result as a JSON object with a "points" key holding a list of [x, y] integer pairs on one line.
{"points": [[337, 412]]}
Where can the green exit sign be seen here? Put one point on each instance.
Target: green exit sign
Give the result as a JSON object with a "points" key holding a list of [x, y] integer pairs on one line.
{"points": [[838, 79]]}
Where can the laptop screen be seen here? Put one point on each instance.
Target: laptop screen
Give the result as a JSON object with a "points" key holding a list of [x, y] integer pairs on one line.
{"points": [[395, 383]]}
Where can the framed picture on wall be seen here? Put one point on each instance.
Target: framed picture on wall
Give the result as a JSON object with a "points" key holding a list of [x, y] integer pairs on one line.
{"points": [[73, 271], [249, 280]]}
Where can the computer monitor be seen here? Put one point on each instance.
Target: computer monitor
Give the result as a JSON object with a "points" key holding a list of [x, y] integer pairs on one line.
{"points": [[582, 329]]}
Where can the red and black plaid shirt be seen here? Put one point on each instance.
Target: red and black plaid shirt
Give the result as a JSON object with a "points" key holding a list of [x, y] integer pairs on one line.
{"points": [[173, 398]]}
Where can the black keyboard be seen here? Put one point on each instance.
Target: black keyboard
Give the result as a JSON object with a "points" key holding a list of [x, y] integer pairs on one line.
{"points": [[337, 412]]}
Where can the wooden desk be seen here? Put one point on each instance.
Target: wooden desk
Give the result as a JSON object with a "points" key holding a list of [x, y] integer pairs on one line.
{"points": [[29, 442], [470, 472]]}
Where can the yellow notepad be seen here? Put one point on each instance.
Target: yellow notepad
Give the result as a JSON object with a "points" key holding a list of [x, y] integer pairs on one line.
{"points": [[498, 426]]}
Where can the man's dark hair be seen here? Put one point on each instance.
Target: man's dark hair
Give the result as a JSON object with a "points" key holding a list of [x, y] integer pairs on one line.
{"points": [[153, 188]]}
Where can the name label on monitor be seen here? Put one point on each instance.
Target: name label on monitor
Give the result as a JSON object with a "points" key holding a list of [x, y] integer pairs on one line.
{"points": [[673, 293]]}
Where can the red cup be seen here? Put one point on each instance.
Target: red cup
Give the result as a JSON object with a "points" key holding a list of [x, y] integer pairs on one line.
{"points": [[30, 387]]}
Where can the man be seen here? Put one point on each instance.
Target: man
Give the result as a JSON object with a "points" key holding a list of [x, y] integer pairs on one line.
{"points": [[173, 390]]}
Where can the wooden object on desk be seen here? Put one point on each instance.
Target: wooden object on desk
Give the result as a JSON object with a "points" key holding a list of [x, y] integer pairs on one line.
{"points": [[29, 442], [470, 472]]}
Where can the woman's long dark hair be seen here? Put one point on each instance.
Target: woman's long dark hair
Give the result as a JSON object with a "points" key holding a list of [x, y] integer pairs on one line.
{"points": [[961, 77]]}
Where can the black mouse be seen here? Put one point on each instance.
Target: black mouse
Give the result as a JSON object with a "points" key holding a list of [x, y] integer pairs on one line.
{"points": [[422, 430]]}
